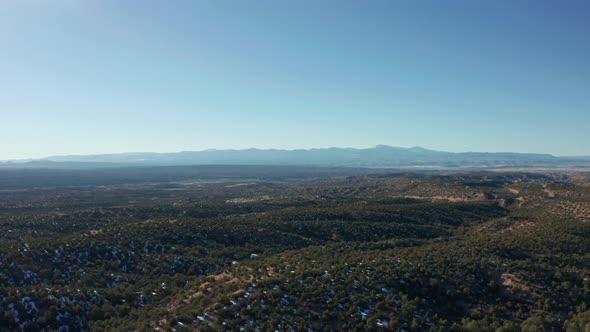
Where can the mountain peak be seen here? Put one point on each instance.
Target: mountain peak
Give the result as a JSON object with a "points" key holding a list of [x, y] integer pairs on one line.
{"points": [[382, 146]]}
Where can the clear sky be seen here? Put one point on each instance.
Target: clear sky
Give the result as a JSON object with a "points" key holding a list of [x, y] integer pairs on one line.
{"points": [[82, 77]]}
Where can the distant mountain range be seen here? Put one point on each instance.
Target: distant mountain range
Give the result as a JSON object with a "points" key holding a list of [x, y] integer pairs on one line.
{"points": [[379, 156]]}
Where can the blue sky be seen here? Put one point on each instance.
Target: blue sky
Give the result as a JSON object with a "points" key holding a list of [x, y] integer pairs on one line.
{"points": [[84, 77]]}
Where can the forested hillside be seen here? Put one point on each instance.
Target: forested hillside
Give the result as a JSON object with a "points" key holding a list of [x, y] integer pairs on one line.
{"points": [[461, 252]]}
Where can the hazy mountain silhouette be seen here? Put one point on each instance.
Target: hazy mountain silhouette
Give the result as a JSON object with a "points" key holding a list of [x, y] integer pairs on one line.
{"points": [[379, 156]]}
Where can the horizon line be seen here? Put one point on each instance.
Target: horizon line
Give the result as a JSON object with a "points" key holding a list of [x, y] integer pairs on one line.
{"points": [[277, 149]]}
